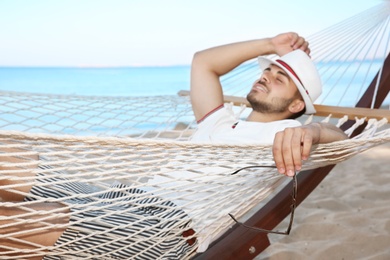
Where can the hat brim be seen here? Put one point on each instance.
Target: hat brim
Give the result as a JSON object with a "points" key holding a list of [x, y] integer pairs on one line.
{"points": [[265, 63]]}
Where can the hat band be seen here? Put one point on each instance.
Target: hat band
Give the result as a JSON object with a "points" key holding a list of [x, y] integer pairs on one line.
{"points": [[294, 74]]}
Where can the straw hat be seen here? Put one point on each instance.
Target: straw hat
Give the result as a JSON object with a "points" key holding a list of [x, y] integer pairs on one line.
{"points": [[301, 69]]}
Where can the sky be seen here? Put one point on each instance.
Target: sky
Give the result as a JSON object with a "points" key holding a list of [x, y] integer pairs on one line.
{"points": [[116, 33]]}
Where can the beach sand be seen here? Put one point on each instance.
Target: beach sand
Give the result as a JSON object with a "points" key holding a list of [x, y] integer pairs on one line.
{"points": [[346, 217]]}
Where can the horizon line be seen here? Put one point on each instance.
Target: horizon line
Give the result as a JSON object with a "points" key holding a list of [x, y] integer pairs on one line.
{"points": [[92, 66]]}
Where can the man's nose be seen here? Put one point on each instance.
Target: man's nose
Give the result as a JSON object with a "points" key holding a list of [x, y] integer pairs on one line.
{"points": [[263, 80]]}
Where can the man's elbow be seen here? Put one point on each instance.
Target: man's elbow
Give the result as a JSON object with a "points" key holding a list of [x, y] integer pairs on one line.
{"points": [[199, 60]]}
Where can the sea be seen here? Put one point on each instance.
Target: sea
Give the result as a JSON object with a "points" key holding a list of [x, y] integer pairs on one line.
{"points": [[128, 81], [124, 81], [148, 81], [107, 82]]}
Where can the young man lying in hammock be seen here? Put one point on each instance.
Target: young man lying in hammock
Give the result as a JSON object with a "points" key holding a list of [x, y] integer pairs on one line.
{"points": [[286, 89]]}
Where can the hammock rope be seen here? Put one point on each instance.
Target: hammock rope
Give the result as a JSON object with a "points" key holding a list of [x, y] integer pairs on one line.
{"points": [[118, 165], [127, 158]]}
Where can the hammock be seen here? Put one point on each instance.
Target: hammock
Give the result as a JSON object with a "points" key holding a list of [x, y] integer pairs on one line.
{"points": [[114, 159]]}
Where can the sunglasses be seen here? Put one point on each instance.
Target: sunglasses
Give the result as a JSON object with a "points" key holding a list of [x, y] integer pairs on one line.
{"points": [[293, 206]]}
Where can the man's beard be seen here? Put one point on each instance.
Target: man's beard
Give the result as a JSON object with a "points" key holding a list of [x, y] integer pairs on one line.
{"points": [[278, 105]]}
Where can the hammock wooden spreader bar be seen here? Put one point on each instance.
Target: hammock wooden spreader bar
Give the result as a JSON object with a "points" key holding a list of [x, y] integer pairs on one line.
{"points": [[322, 110], [241, 243]]}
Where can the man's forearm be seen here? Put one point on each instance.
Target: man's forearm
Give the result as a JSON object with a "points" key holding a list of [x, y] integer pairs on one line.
{"points": [[330, 133], [223, 59]]}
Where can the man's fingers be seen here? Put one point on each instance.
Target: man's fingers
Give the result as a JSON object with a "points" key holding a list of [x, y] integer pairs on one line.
{"points": [[291, 146], [308, 51], [277, 152], [296, 150], [294, 39], [289, 140], [307, 141], [282, 152], [305, 47], [300, 43]]}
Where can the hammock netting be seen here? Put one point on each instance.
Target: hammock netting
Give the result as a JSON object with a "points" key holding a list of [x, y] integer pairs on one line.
{"points": [[128, 176]]}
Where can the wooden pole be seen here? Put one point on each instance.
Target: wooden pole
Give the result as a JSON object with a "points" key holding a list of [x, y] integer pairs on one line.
{"points": [[322, 110]]}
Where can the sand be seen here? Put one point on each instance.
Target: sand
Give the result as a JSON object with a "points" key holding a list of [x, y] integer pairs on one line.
{"points": [[346, 217]]}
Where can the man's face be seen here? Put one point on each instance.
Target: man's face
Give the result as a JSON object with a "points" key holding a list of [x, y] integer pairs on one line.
{"points": [[273, 92]]}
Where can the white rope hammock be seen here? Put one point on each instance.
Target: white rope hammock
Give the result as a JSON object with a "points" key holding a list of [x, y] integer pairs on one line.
{"points": [[116, 159]]}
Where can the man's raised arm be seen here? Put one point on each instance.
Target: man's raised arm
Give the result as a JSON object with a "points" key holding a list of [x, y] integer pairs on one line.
{"points": [[210, 64]]}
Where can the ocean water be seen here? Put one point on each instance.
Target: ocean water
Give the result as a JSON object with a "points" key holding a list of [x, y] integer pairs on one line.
{"points": [[344, 83], [83, 117], [342, 87], [127, 81]]}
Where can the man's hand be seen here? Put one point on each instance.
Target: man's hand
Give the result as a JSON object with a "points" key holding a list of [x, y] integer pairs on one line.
{"points": [[293, 145], [287, 42]]}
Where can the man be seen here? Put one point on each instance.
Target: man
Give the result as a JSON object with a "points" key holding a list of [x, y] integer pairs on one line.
{"points": [[287, 88]]}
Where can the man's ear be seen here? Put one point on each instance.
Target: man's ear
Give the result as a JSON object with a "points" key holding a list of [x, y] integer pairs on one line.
{"points": [[296, 106]]}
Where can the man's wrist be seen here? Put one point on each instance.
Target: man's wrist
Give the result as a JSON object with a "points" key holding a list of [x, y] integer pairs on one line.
{"points": [[269, 47], [317, 129]]}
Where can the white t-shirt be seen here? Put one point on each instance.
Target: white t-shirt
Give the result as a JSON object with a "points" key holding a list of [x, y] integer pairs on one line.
{"points": [[220, 126], [223, 126]]}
